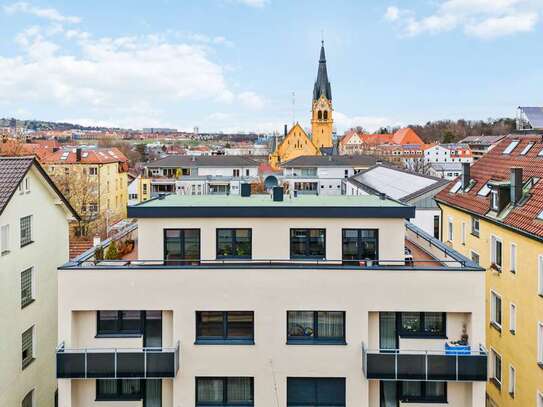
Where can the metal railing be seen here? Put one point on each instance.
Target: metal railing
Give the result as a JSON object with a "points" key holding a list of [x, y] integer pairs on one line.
{"points": [[117, 363], [450, 364]]}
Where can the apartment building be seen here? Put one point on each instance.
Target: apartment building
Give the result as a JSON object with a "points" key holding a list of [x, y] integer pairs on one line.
{"points": [[33, 243], [201, 175], [494, 214], [323, 175], [95, 181], [480, 145], [273, 301], [448, 153]]}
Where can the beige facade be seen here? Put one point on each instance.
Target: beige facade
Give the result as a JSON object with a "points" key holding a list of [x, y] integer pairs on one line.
{"points": [[49, 249]]}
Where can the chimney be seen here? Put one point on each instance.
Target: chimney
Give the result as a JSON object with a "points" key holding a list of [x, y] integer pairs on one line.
{"points": [[278, 194], [245, 189], [285, 132], [78, 154], [516, 185], [465, 175]]}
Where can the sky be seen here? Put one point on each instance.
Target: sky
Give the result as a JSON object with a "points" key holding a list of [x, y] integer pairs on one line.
{"points": [[250, 65]]}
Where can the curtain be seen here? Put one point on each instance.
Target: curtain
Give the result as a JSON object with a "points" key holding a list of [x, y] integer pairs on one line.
{"points": [[153, 393], [239, 390], [300, 323], [389, 398], [330, 324], [209, 391], [387, 330]]}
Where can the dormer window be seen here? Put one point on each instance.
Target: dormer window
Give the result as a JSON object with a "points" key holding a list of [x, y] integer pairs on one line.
{"points": [[494, 200]]}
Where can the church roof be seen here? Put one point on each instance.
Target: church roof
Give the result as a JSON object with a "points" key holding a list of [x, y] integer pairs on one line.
{"points": [[322, 85]]}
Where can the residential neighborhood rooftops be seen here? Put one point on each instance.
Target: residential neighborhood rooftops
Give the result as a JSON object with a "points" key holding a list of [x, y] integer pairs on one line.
{"points": [[485, 140], [331, 161], [88, 156], [186, 161]]}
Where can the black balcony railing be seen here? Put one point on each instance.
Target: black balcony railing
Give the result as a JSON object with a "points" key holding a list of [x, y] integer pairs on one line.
{"points": [[446, 365], [117, 363]]}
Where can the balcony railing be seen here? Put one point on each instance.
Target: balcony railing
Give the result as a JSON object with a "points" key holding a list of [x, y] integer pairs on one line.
{"points": [[117, 363], [446, 365]]}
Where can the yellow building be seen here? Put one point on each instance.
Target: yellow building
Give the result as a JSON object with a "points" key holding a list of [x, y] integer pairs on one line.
{"points": [[296, 142], [95, 181], [494, 215]]}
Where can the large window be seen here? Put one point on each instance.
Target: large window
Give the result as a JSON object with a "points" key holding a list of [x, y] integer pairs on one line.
{"points": [[28, 400], [119, 323], [26, 230], [422, 324], [119, 389], [423, 392], [27, 347], [224, 391], [224, 326], [234, 243], [360, 244], [315, 392], [495, 310], [316, 327], [307, 243], [181, 245], [27, 296]]}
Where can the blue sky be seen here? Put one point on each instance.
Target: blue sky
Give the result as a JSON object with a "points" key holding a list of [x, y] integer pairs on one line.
{"points": [[233, 64]]}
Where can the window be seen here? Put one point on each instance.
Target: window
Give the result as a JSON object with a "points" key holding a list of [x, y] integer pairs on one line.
{"points": [[360, 244], [512, 381], [316, 327], [527, 148], [484, 191], [234, 243], [118, 389], [450, 235], [247, 172], [4, 239], [27, 184], [540, 216], [463, 233], [475, 226], [119, 323], [28, 401], [423, 392], [93, 171], [540, 343], [26, 230], [224, 391], [540, 278], [315, 392], [475, 257], [27, 342], [225, 326], [494, 201], [93, 207], [495, 310], [539, 394], [181, 246], [436, 226], [456, 187], [27, 294], [512, 318], [308, 243], [513, 258], [235, 172], [496, 371], [496, 253], [509, 149], [423, 324]]}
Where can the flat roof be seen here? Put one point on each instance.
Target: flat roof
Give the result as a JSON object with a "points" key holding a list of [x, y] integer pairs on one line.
{"points": [[262, 205]]}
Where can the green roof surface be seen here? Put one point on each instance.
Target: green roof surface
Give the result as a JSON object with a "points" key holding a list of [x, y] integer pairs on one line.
{"points": [[264, 200]]}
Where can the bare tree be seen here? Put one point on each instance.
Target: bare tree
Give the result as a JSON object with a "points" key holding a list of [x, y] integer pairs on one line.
{"points": [[417, 165]]}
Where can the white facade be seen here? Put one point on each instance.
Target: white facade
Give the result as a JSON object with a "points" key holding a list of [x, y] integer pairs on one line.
{"points": [[33, 308], [442, 154], [326, 180]]}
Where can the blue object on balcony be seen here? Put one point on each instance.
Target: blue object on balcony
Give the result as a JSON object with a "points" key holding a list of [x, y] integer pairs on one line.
{"points": [[457, 349]]}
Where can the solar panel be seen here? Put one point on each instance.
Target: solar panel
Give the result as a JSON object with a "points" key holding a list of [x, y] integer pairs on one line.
{"points": [[484, 191], [527, 148], [456, 187], [509, 149], [534, 114]]}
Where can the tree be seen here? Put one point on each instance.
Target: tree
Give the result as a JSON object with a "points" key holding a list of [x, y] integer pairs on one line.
{"points": [[418, 165], [112, 253]]}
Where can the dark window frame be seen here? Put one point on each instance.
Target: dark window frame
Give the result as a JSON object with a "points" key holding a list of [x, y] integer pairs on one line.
{"points": [[315, 380], [234, 244], [424, 398], [359, 240], [119, 395], [307, 243], [224, 402], [182, 261], [26, 301], [225, 339], [402, 333], [119, 332], [315, 339]]}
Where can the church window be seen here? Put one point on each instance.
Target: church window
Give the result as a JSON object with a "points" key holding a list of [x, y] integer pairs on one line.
{"points": [[325, 115], [319, 114]]}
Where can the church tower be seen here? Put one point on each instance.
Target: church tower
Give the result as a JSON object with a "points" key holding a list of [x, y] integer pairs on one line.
{"points": [[321, 114]]}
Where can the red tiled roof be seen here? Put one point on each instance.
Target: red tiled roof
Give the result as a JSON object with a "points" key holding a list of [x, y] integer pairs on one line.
{"points": [[497, 166], [88, 156], [401, 137], [406, 136]]}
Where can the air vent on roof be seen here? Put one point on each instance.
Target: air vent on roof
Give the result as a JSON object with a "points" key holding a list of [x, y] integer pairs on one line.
{"points": [[509, 149], [484, 191], [527, 148]]}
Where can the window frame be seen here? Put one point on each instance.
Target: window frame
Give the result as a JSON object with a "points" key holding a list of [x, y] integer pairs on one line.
{"points": [[119, 396], [224, 402], [306, 243], [32, 400], [225, 339], [234, 244], [493, 377], [512, 318], [540, 343], [493, 310], [402, 333], [463, 233], [4, 239], [540, 275], [511, 386], [513, 256], [28, 361], [28, 241], [450, 229], [359, 240], [315, 380], [315, 339], [182, 261], [475, 231], [32, 297], [119, 332], [494, 240], [424, 398]]}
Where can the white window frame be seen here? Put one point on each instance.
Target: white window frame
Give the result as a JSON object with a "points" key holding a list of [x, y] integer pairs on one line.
{"points": [[463, 233], [493, 353], [513, 255], [540, 275], [475, 231], [493, 309], [494, 203], [478, 256], [4, 239], [540, 343], [539, 395], [450, 229], [493, 251], [512, 318], [512, 380]]}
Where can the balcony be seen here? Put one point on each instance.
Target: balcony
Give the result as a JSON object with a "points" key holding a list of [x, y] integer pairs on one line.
{"points": [[117, 363], [446, 365]]}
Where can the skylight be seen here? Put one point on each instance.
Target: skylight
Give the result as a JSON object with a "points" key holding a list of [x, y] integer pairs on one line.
{"points": [[509, 149], [540, 216], [484, 191], [527, 148], [456, 187], [540, 153]]}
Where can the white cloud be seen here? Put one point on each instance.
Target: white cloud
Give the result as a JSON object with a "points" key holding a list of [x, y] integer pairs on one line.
{"points": [[369, 123], [484, 19], [251, 100], [46, 13]]}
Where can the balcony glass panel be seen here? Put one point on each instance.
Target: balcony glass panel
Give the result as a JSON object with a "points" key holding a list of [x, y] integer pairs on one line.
{"points": [[160, 364], [472, 367], [411, 367], [130, 364], [441, 367], [70, 365], [381, 366], [100, 364]]}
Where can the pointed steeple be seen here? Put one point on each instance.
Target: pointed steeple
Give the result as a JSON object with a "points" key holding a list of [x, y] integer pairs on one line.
{"points": [[322, 85]]}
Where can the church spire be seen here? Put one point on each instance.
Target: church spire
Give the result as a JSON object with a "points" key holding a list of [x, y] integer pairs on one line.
{"points": [[322, 85]]}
